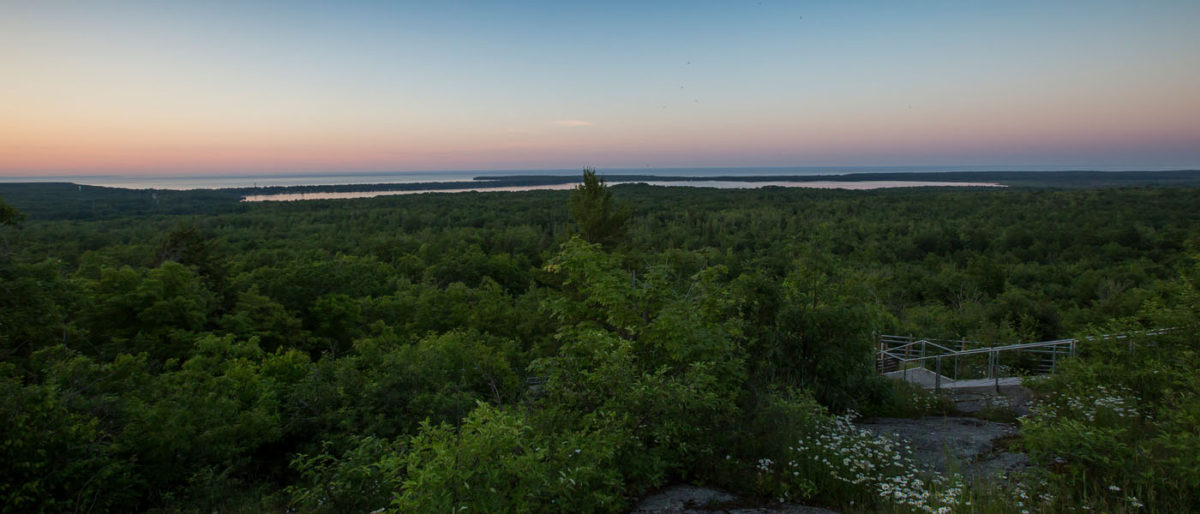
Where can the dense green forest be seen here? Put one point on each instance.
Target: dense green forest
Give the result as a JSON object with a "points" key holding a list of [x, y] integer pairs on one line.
{"points": [[555, 351]]}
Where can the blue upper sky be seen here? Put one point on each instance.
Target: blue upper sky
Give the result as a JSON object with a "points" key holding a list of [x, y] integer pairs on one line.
{"points": [[174, 87]]}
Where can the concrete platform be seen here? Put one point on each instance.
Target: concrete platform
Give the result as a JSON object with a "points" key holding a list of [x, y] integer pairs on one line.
{"points": [[929, 380]]}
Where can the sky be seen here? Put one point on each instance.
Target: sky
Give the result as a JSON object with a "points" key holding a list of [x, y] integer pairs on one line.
{"points": [[223, 87]]}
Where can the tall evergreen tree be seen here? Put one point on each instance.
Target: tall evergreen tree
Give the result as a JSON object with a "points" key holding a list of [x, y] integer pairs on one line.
{"points": [[600, 218], [9, 215]]}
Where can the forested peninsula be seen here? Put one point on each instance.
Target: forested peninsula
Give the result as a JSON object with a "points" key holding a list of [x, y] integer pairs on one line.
{"points": [[573, 351]]}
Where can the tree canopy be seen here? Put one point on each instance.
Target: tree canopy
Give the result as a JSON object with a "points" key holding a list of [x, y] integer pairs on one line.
{"points": [[349, 356]]}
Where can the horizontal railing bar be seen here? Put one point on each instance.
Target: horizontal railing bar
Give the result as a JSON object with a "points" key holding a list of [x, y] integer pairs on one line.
{"points": [[915, 344], [981, 351]]}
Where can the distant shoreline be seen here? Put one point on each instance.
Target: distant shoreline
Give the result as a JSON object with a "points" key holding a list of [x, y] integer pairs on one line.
{"points": [[532, 182], [375, 181], [723, 184], [67, 200], [1035, 179]]}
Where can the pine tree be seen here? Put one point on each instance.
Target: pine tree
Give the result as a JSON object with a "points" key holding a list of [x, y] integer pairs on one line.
{"points": [[599, 218]]}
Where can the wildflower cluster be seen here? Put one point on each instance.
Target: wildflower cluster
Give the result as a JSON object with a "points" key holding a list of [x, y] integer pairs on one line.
{"points": [[1103, 404], [926, 403], [1032, 492], [851, 462], [1029, 495]]}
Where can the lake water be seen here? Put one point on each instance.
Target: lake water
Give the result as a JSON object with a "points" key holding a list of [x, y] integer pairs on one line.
{"points": [[719, 184], [408, 177]]}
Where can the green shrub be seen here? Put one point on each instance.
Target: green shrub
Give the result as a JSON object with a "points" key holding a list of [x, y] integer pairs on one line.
{"points": [[361, 479], [496, 462], [905, 399], [1118, 425], [55, 460]]}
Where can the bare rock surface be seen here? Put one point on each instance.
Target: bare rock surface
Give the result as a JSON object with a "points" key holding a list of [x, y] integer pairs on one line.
{"points": [[967, 445], [971, 446], [687, 499], [977, 399]]}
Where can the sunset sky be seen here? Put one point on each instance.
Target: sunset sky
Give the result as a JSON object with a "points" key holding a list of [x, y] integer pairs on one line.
{"points": [[116, 87]]}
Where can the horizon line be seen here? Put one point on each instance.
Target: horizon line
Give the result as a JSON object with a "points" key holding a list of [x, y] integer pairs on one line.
{"points": [[966, 168]]}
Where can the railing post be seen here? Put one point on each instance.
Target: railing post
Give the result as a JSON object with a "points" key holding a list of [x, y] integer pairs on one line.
{"points": [[996, 366], [924, 362], [937, 381], [907, 355], [962, 347]]}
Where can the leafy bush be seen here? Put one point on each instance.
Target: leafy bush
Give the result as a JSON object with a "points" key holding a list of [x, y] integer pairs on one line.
{"points": [[496, 462], [56, 460], [1118, 426], [362, 479], [905, 399]]}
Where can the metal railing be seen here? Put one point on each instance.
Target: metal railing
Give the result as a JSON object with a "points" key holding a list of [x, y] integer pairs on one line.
{"points": [[900, 353]]}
